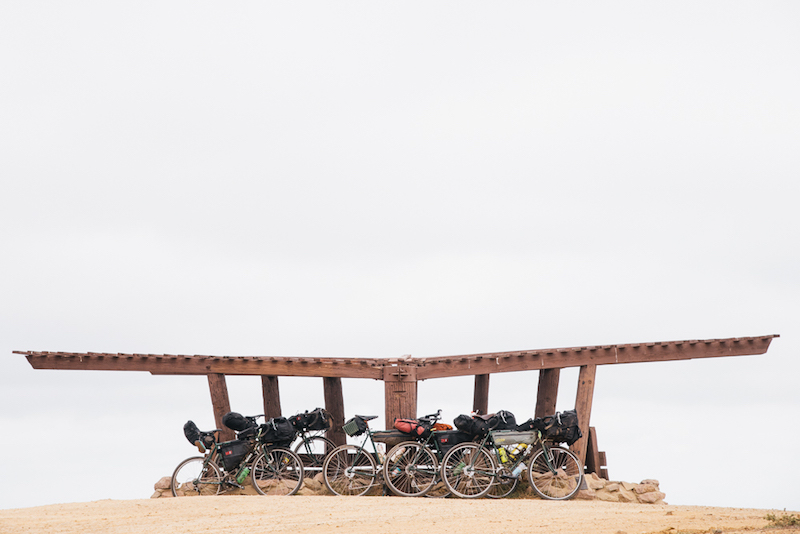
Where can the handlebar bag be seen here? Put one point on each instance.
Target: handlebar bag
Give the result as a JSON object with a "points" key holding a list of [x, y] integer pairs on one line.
{"points": [[562, 427], [318, 419], [278, 431]]}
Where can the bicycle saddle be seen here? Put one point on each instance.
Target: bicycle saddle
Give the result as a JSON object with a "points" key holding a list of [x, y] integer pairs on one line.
{"points": [[367, 417]]}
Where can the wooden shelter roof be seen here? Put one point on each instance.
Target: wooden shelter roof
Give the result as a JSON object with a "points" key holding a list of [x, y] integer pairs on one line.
{"points": [[420, 368]]}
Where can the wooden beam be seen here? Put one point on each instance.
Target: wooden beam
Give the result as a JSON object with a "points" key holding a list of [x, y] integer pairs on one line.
{"points": [[475, 364], [271, 395], [480, 399], [220, 404], [505, 362], [400, 393], [583, 405], [334, 403], [547, 392]]}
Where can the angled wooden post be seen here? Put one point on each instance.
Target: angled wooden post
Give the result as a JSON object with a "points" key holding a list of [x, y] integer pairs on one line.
{"points": [[271, 395], [547, 393], [220, 403], [334, 403], [583, 405], [400, 390], [480, 399]]}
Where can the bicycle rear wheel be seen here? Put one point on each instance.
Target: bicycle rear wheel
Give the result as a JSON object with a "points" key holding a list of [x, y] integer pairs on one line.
{"points": [[410, 469], [557, 475], [468, 470], [349, 470], [277, 471], [194, 477]]}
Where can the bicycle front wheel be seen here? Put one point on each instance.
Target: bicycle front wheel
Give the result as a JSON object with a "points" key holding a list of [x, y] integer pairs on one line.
{"points": [[555, 474], [277, 471], [349, 470], [468, 470], [410, 470], [312, 452], [194, 476]]}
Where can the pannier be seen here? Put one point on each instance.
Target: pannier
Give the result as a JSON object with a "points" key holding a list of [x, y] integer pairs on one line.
{"points": [[355, 426], [418, 428], [318, 419], [450, 438], [278, 431], [562, 427], [233, 452], [238, 422]]}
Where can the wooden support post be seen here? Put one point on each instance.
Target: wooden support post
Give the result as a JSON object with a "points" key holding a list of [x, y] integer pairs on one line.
{"points": [[220, 403], [400, 390], [547, 393], [583, 405], [480, 400], [595, 459], [272, 397], [334, 403]]}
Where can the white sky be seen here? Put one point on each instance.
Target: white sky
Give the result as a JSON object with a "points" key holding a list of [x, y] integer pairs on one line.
{"points": [[365, 179]]}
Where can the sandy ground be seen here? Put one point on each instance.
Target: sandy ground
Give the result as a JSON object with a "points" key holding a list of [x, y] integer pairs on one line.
{"points": [[241, 514]]}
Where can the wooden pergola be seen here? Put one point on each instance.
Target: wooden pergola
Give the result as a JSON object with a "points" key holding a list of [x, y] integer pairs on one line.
{"points": [[401, 375]]}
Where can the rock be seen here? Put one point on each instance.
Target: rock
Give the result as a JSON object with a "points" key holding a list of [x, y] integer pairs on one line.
{"points": [[650, 481], [612, 487], [594, 482], [645, 488], [163, 483], [607, 496], [312, 484], [652, 497], [628, 485], [156, 495], [585, 495], [626, 495]]}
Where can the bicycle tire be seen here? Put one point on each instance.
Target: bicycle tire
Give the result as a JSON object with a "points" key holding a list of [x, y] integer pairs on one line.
{"points": [[349, 470], [558, 486], [194, 476], [312, 452], [277, 471], [410, 469], [468, 470]]}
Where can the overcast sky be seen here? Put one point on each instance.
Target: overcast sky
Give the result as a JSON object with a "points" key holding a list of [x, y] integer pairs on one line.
{"points": [[373, 180]]}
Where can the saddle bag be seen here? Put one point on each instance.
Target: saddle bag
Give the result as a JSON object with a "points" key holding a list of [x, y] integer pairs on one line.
{"points": [[506, 421], [418, 428], [476, 426], [238, 422], [191, 432]]}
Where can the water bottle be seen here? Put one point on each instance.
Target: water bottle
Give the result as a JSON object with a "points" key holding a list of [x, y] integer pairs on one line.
{"points": [[519, 469], [459, 468], [502, 453], [396, 471], [243, 475]]}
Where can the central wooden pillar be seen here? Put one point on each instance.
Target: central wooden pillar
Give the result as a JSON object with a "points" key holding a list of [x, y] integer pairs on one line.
{"points": [[220, 403], [583, 405], [547, 393], [334, 403], [272, 397], [400, 390], [480, 400]]}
